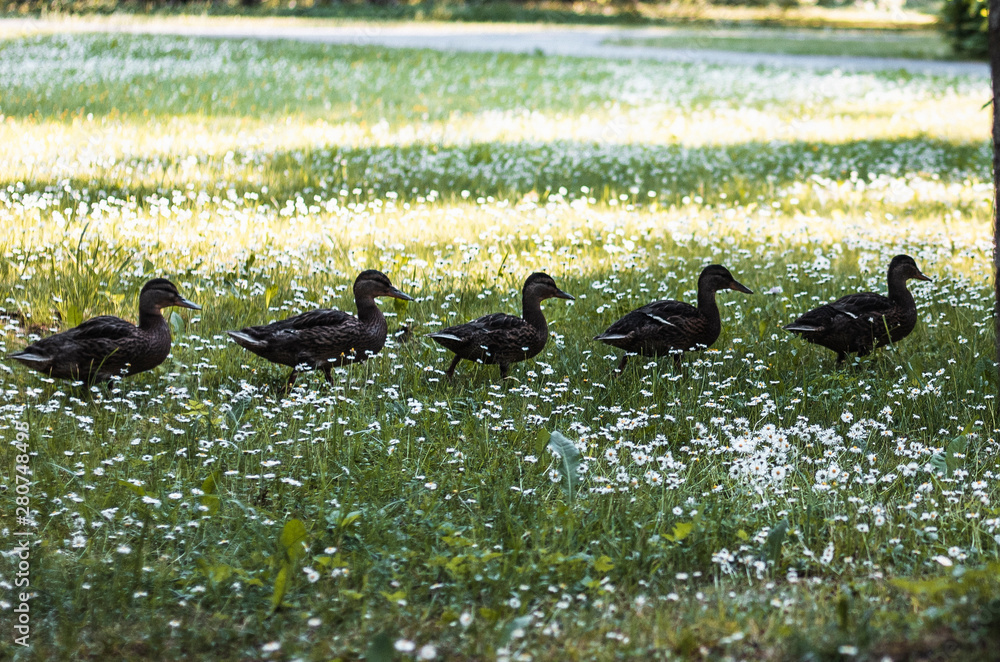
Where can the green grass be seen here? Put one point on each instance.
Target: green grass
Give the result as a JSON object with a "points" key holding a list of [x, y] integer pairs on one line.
{"points": [[924, 45], [262, 177]]}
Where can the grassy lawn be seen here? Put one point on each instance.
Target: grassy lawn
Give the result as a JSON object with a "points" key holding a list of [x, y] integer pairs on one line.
{"points": [[759, 504], [920, 45]]}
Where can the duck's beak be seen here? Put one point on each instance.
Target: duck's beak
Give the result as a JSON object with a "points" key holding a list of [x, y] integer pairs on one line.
{"points": [[562, 295], [740, 287], [921, 276], [184, 303], [396, 294]]}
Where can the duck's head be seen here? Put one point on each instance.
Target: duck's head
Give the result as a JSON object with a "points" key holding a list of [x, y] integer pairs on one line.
{"points": [[541, 286], [160, 293], [903, 266], [716, 277], [373, 283]]}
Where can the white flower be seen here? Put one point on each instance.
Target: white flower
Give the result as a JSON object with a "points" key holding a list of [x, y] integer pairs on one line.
{"points": [[404, 646]]}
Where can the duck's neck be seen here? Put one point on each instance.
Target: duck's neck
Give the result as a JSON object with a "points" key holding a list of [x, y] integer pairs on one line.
{"points": [[368, 311], [898, 293], [531, 311], [706, 303], [152, 320]]}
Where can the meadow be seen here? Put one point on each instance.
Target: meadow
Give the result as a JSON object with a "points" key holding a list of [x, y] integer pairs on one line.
{"points": [[760, 504]]}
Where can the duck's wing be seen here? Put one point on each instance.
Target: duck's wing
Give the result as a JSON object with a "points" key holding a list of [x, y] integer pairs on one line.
{"points": [[292, 326], [657, 318], [484, 325], [104, 327], [312, 326], [95, 341], [861, 311], [483, 331], [865, 306], [324, 317]]}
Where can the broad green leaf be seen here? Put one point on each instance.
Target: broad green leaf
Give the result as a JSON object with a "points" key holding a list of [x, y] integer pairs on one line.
{"points": [[541, 441], [940, 463], [603, 563], [380, 649], [176, 323], [134, 488], [742, 535], [682, 530], [569, 461], [350, 518], [280, 586], [519, 623], [956, 448], [394, 597], [293, 534], [210, 499], [772, 546], [269, 294], [219, 572]]}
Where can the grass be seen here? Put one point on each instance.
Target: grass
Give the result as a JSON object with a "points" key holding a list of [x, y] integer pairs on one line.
{"points": [[760, 504], [924, 45]]}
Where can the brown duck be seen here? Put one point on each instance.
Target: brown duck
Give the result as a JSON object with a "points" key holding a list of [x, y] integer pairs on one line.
{"points": [[324, 339], [503, 339], [104, 347], [674, 327], [860, 323]]}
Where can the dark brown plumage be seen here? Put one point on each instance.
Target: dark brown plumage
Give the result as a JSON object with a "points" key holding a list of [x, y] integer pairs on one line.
{"points": [[106, 346], [674, 327], [323, 339], [503, 339], [859, 323]]}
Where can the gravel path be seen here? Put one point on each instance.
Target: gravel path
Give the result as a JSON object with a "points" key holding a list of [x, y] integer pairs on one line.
{"points": [[547, 39]]}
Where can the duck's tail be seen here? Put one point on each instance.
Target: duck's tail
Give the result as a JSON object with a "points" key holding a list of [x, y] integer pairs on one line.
{"points": [[802, 328], [244, 339], [444, 336], [31, 359]]}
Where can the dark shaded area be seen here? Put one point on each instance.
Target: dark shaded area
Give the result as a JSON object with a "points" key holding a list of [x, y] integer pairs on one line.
{"points": [[586, 12], [964, 21]]}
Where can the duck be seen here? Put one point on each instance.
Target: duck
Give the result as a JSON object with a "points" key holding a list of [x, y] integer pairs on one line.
{"points": [[325, 338], [502, 339], [106, 347], [674, 327], [860, 323]]}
